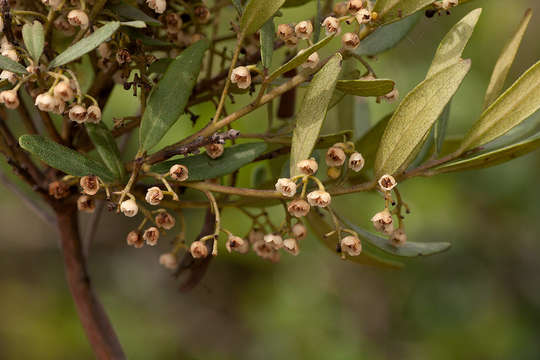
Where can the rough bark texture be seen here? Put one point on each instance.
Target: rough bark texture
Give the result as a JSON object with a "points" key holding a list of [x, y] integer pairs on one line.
{"points": [[96, 324]]}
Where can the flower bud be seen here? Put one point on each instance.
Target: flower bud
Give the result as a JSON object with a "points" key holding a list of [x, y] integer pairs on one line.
{"points": [[291, 246], [86, 203], [333, 172], [266, 251], [298, 208], [165, 220], [134, 239], [286, 187], [398, 237], [151, 236], [198, 250], [392, 95], [78, 18], [285, 31], [214, 150], [93, 114], [154, 195], [299, 231], [312, 61], [255, 235], [383, 222], [351, 245], [158, 6], [45, 102], [335, 156], [89, 184], [354, 6], [304, 29], [236, 243], [77, 113], [356, 162], [363, 16], [274, 241], [308, 167], [63, 91], [129, 208], [179, 172], [9, 76], [10, 99], [241, 77], [58, 190], [168, 261], [319, 198], [387, 182], [350, 40], [291, 41], [331, 25], [341, 8], [174, 22], [202, 14]]}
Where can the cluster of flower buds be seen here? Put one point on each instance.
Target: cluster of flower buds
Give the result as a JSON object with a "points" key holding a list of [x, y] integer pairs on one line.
{"points": [[90, 186], [290, 35], [150, 236], [336, 156]]}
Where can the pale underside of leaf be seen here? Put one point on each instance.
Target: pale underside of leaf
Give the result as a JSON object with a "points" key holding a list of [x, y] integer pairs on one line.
{"points": [[34, 39], [313, 111], [107, 148], [256, 13], [10, 65], [377, 87], [415, 116], [504, 62], [516, 104], [394, 10]]}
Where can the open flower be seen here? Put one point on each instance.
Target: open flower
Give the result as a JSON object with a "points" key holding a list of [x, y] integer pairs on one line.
{"points": [[214, 150], [151, 236], [86, 203], [93, 114], [179, 172], [387, 182], [198, 249], [335, 156], [154, 195], [236, 243], [10, 99], [319, 198], [129, 208], [134, 239], [351, 245], [298, 208], [291, 246], [78, 18], [312, 61], [331, 25], [165, 220], [308, 167], [350, 41], [286, 187], [274, 240], [89, 184], [304, 29], [299, 231], [285, 31], [356, 162], [77, 113], [383, 222], [158, 6], [241, 77], [398, 237], [354, 6]]}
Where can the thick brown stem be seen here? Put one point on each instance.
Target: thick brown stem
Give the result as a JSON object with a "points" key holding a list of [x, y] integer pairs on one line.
{"points": [[96, 324]]}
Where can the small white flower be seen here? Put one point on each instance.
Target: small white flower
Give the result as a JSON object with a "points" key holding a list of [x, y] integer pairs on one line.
{"points": [[129, 208], [354, 6], [356, 162], [214, 150], [151, 236], [275, 241], [236, 243], [308, 167], [299, 231], [298, 208], [312, 61], [11, 53], [179, 172], [331, 25], [383, 222], [291, 246], [154, 195], [10, 99], [398, 237], [198, 250], [9, 76], [45, 102], [63, 91], [350, 40], [319, 198], [165, 220], [285, 31], [78, 18], [89, 184], [93, 114], [392, 95], [58, 106], [158, 6], [304, 29], [335, 156], [77, 113], [168, 261], [387, 182], [286, 187], [363, 16], [241, 77], [351, 245]]}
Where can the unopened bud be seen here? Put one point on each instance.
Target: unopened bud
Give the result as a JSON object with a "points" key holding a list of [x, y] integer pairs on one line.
{"points": [[198, 250], [299, 231], [319, 198], [236, 243], [174, 22], [285, 31], [350, 40], [93, 114], [45, 102], [89, 184], [286, 187], [202, 14], [158, 6], [308, 167], [335, 156], [274, 241], [58, 190], [214, 150], [304, 29], [168, 261], [241, 77], [383, 222], [154, 195], [298, 208], [398, 237], [78, 18], [333, 172], [86, 203], [151, 236], [179, 172], [77, 113], [10, 99], [312, 61], [291, 246], [165, 220], [129, 208], [387, 182], [351, 245], [331, 25], [356, 162]]}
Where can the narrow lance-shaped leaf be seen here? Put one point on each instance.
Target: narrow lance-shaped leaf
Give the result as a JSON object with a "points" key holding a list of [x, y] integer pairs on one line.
{"points": [[85, 45], [256, 13], [313, 111], [393, 10], [268, 34], [129, 12], [299, 59], [452, 45], [415, 116], [63, 158], [34, 39], [170, 96], [369, 141], [440, 128], [10, 65], [107, 148], [500, 72], [376, 87], [202, 167], [318, 21], [516, 104]]}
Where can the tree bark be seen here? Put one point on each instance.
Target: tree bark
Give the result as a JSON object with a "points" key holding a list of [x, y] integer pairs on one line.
{"points": [[94, 320]]}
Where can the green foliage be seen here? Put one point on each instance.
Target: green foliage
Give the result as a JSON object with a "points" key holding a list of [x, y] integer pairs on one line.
{"points": [[394, 10], [313, 111], [268, 35], [63, 158], [376, 87], [10, 65], [256, 13], [107, 148], [169, 98], [34, 39], [128, 12]]}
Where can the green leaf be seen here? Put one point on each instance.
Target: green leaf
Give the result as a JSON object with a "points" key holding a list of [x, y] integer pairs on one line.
{"points": [[313, 111], [268, 34], [63, 158], [368, 144], [494, 157], [394, 10], [440, 128], [136, 34], [318, 23], [10, 65], [319, 225], [160, 66], [415, 116], [500, 72], [409, 249], [386, 37], [202, 167], [238, 6], [516, 104], [107, 148], [256, 13], [138, 24], [377, 87], [170, 96], [452, 45], [294, 3], [129, 12], [299, 59], [34, 39], [85, 45]]}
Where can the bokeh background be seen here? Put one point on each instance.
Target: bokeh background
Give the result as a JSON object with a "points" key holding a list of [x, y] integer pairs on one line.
{"points": [[480, 300]]}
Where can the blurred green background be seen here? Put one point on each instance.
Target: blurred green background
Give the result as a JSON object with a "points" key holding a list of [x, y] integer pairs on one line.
{"points": [[480, 300]]}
